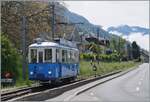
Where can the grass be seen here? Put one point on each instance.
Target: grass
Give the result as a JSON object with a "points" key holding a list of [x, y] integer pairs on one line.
{"points": [[19, 83], [86, 69]]}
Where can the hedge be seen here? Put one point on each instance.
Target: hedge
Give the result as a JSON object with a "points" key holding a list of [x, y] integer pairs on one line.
{"points": [[100, 57]]}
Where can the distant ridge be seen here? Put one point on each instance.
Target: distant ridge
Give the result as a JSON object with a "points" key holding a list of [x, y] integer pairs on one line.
{"points": [[127, 30]]}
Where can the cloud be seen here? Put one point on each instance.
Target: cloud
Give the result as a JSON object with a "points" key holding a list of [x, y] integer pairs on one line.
{"points": [[125, 37], [112, 13], [116, 33], [142, 40]]}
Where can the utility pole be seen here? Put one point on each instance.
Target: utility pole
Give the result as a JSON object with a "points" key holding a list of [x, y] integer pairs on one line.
{"points": [[23, 34], [119, 48], [52, 10], [69, 24], [98, 33]]}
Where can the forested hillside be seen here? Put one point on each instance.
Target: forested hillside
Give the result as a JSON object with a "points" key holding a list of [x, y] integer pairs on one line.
{"points": [[38, 23], [39, 15]]}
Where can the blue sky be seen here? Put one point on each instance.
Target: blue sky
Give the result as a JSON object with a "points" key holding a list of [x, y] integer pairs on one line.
{"points": [[114, 13]]}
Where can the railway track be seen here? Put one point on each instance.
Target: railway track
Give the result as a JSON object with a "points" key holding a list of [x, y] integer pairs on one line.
{"points": [[14, 94], [20, 92], [9, 95]]}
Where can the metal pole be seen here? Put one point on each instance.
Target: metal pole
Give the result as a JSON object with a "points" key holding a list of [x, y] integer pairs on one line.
{"points": [[119, 48], [98, 33], [23, 34], [52, 7]]}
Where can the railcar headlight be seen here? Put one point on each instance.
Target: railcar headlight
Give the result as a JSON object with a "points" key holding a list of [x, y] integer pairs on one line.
{"points": [[31, 73], [49, 72]]}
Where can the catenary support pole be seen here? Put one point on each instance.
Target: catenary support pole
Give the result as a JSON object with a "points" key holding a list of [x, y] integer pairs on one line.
{"points": [[23, 35]]}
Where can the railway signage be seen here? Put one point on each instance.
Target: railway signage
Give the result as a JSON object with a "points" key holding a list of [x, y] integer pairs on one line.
{"points": [[7, 78]]}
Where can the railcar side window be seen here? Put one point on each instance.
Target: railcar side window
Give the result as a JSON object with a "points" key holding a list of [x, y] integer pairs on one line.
{"points": [[57, 55], [64, 56], [76, 57], [71, 56], [48, 55], [33, 55]]}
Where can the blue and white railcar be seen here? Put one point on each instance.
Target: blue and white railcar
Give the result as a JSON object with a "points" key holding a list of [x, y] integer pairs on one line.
{"points": [[50, 61]]}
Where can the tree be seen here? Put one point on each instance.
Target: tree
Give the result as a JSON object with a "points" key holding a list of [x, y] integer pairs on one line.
{"points": [[121, 46], [135, 50], [38, 16], [118, 44], [113, 44], [10, 59], [95, 48]]}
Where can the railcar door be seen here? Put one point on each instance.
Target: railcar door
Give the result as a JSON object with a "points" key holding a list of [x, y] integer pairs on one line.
{"points": [[58, 61], [40, 55]]}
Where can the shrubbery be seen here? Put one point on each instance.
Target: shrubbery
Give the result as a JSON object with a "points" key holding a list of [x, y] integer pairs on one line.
{"points": [[10, 59], [101, 57], [87, 56]]}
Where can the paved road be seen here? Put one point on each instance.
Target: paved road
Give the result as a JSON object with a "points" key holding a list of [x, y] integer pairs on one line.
{"points": [[131, 87]]}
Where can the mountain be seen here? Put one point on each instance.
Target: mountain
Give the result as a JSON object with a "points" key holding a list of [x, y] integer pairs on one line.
{"points": [[39, 22], [86, 27], [127, 30], [132, 33]]}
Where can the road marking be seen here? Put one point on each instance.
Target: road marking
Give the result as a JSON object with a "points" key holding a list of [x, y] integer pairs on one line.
{"points": [[95, 99], [70, 97], [137, 88], [91, 94], [141, 79], [140, 83]]}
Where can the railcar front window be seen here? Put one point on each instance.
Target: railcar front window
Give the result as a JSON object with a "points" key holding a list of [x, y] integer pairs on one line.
{"points": [[48, 55], [33, 55]]}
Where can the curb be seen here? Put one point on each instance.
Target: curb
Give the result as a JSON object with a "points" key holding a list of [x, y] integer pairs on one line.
{"points": [[120, 74]]}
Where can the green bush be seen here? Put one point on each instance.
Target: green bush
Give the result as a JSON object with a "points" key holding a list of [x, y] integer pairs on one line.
{"points": [[87, 57], [10, 59], [102, 57]]}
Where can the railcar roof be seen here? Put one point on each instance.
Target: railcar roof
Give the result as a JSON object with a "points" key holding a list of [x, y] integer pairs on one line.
{"points": [[49, 44]]}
